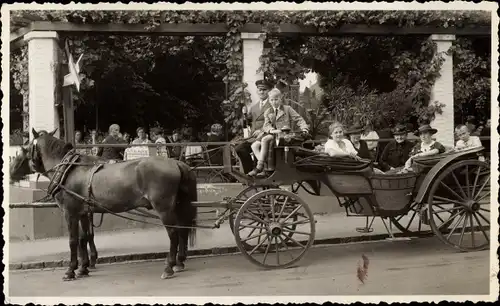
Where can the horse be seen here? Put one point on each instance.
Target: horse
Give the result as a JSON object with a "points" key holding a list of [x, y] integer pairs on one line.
{"points": [[82, 185]]}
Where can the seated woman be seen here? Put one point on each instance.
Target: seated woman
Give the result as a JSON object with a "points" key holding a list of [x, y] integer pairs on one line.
{"points": [[361, 147], [426, 147], [276, 118], [338, 145], [397, 151]]}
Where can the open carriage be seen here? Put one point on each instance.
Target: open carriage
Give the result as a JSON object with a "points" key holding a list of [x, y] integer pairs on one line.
{"points": [[448, 195]]}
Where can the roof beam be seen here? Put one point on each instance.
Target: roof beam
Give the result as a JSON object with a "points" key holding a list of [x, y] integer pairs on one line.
{"points": [[202, 29]]}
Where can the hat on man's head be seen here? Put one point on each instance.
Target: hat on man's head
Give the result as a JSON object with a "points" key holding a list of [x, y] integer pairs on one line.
{"points": [[264, 83], [426, 128], [356, 128], [399, 129]]}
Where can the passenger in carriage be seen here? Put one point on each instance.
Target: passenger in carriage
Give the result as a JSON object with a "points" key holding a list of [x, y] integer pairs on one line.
{"points": [[426, 147], [354, 133], [276, 118], [465, 140], [338, 145], [397, 151]]}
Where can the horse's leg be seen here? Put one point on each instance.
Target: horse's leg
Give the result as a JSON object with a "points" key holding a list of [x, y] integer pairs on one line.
{"points": [[170, 261], [72, 222], [183, 249], [84, 234], [93, 249]]}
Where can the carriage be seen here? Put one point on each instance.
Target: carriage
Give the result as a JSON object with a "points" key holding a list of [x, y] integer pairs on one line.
{"points": [[447, 195]]}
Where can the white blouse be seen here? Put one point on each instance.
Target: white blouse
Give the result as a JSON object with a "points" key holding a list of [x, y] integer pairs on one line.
{"points": [[332, 148]]}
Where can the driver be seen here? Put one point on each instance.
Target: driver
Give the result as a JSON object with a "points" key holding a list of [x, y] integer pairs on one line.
{"points": [[276, 117]]}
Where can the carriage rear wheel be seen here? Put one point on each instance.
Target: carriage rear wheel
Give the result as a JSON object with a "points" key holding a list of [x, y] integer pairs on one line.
{"points": [[460, 198], [279, 215]]}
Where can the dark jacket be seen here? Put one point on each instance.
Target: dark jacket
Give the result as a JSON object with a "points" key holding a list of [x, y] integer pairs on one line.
{"points": [[395, 154], [363, 151], [111, 153]]}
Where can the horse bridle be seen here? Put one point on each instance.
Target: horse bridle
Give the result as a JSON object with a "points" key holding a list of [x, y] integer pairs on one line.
{"points": [[36, 162]]}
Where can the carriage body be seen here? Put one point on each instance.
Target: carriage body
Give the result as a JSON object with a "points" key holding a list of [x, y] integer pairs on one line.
{"points": [[417, 196]]}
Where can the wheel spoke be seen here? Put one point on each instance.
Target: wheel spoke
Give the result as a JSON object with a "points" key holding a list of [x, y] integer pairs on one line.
{"points": [[282, 208], [296, 232], [254, 217], [458, 184], [250, 226], [484, 196], [283, 241], [482, 187], [484, 209], [481, 227], [472, 230], [482, 217], [463, 230], [455, 227], [451, 190], [296, 242], [292, 213], [254, 236], [257, 246], [273, 200], [475, 180], [447, 209], [446, 200], [267, 250], [451, 219], [277, 251], [467, 181], [304, 221]]}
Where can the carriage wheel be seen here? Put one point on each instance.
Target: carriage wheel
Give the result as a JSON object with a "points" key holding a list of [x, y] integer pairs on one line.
{"points": [[462, 192], [279, 215]]}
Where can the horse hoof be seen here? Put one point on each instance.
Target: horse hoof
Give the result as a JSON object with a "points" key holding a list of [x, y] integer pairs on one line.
{"points": [[167, 275], [68, 278], [92, 267], [178, 268]]}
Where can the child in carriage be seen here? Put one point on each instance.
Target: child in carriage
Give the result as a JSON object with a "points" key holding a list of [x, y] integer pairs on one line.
{"points": [[466, 140], [277, 117]]}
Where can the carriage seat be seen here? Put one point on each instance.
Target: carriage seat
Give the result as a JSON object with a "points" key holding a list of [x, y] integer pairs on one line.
{"points": [[312, 161]]}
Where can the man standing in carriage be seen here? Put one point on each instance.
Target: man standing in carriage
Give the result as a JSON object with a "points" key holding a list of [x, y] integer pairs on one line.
{"points": [[256, 115]]}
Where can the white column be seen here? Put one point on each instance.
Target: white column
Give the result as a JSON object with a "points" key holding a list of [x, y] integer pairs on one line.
{"points": [[443, 92], [253, 46], [42, 60]]}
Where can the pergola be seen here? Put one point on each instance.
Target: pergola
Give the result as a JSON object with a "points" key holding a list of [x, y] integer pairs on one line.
{"points": [[42, 38]]}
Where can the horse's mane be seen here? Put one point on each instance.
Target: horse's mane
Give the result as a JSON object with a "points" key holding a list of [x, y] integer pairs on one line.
{"points": [[57, 146]]}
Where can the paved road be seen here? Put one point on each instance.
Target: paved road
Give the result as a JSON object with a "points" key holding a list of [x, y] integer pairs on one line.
{"points": [[422, 266]]}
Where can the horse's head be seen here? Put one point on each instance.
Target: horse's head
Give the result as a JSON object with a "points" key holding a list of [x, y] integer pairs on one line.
{"points": [[20, 166], [30, 159]]}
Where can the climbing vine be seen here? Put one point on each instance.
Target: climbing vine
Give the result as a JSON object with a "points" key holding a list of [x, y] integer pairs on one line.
{"points": [[410, 64]]}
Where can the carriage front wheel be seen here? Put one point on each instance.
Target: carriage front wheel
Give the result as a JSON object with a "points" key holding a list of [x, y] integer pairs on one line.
{"points": [[283, 231], [460, 200]]}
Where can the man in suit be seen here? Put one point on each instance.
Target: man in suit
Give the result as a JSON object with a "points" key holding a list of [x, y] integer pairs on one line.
{"points": [[256, 115]]}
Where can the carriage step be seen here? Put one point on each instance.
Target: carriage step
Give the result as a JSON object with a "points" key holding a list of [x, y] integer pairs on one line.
{"points": [[398, 239], [364, 230]]}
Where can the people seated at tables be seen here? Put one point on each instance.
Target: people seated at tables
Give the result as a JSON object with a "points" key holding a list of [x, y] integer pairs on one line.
{"points": [[426, 147], [354, 133], [397, 151], [276, 117], [338, 145]]}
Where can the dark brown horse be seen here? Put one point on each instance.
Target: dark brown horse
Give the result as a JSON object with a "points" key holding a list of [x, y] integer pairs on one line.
{"points": [[81, 184]]}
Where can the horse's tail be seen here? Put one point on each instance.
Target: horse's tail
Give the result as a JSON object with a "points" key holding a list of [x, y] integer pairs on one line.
{"points": [[188, 193]]}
